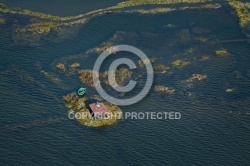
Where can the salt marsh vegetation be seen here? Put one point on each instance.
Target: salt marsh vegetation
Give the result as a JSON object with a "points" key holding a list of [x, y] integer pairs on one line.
{"points": [[222, 52], [159, 88], [80, 106], [198, 77], [242, 12]]}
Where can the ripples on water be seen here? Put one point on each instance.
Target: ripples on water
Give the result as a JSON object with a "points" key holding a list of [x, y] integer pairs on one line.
{"points": [[213, 127]]}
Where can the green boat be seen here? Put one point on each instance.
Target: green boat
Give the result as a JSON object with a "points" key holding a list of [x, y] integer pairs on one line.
{"points": [[81, 92]]}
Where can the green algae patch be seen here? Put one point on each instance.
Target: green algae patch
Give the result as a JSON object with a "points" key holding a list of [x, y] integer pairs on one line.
{"points": [[79, 110]]}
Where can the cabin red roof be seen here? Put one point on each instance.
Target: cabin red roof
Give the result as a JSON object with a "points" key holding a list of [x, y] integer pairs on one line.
{"points": [[100, 109]]}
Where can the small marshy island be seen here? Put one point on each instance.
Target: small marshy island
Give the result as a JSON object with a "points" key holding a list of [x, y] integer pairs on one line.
{"points": [[176, 53], [90, 112]]}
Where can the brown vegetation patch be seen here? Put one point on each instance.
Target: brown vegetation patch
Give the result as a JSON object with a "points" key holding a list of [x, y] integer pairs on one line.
{"points": [[180, 63], [80, 106], [168, 90], [143, 62], [161, 67], [74, 65], [61, 67], [198, 77], [222, 52], [119, 76]]}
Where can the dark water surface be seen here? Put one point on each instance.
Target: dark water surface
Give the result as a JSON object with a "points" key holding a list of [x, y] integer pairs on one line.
{"points": [[214, 128], [61, 8]]}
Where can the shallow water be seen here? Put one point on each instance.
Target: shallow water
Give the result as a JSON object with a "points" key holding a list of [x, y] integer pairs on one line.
{"points": [[213, 129]]}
